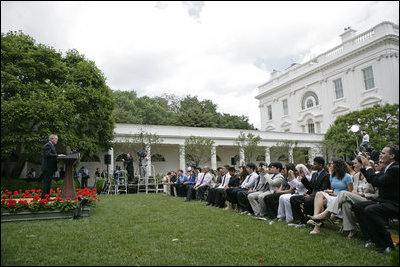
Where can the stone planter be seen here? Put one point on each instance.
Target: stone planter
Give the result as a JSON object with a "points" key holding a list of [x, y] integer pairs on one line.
{"points": [[44, 215]]}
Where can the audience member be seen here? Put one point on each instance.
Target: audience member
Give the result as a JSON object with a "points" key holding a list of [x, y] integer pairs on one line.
{"points": [[242, 176], [259, 185], [274, 180], [247, 184], [319, 182], [373, 214], [362, 191], [202, 184], [166, 181], [340, 180], [272, 200], [212, 192], [178, 186], [296, 188]]}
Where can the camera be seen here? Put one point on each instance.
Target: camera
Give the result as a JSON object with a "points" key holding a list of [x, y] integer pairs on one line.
{"points": [[141, 154]]}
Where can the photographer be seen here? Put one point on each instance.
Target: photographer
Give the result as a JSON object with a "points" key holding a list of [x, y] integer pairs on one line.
{"points": [[143, 162], [128, 164]]}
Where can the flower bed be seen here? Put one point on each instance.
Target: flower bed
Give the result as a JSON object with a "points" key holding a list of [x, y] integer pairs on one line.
{"points": [[30, 200]]}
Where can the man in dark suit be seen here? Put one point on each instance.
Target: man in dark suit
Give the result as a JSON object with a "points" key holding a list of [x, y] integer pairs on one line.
{"points": [[49, 163], [372, 215], [319, 182]]}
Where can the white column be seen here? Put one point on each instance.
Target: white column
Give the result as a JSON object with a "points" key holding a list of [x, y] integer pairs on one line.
{"points": [[241, 156], [214, 157], [267, 155], [148, 168], [291, 154], [111, 168], [182, 163], [148, 152]]}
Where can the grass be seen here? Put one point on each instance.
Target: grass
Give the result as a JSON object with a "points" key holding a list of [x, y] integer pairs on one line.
{"points": [[138, 229]]}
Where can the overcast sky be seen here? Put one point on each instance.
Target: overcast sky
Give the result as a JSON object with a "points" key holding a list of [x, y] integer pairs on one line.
{"points": [[220, 51]]}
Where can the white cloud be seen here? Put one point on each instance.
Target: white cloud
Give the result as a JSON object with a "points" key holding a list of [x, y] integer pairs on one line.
{"points": [[216, 50]]}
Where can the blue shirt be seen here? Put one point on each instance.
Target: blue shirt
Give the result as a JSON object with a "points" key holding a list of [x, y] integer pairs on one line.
{"points": [[182, 179], [192, 179], [340, 184]]}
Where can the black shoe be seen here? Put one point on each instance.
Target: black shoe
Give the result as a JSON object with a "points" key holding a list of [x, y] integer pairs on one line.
{"points": [[186, 200], [208, 204]]}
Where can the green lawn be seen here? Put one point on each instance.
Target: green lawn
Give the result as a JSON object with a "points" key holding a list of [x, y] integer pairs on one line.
{"points": [[139, 229]]}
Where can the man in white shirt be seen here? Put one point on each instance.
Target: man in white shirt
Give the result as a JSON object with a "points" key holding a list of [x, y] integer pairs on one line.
{"points": [[202, 184], [225, 176], [365, 140]]}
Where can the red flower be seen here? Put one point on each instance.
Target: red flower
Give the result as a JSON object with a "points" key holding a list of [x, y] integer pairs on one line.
{"points": [[68, 198]]}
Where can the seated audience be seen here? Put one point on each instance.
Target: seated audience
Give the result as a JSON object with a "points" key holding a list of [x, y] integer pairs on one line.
{"points": [[296, 188], [340, 180], [274, 180], [272, 200], [202, 184], [362, 191], [212, 192], [319, 182], [373, 214], [242, 176]]}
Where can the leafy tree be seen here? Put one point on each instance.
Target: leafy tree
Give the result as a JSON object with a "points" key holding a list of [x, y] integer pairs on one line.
{"points": [[281, 152], [44, 93], [198, 149], [249, 144], [380, 122]]}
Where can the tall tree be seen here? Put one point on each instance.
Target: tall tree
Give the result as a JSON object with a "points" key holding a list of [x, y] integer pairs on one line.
{"points": [[249, 144], [44, 93]]}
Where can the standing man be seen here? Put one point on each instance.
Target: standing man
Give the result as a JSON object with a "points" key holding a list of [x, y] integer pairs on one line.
{"points": [[365, 140], [129, 166], [49, 163]]}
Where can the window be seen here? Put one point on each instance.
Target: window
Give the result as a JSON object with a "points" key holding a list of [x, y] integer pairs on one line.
{"points": [[285, 107], [310, 125], [157, 158], [338, 88], [368, 78], [310, 99], [310, 103], [269, 112]]}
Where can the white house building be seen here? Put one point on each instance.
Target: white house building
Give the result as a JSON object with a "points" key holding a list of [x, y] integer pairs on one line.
{"points": [[360, 72]]}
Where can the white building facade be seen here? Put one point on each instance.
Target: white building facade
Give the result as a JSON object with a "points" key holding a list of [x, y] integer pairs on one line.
{"points": [[359, 73]]}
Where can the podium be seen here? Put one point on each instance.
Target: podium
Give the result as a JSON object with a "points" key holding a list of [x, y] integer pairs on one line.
{"points": [[68, 189]]}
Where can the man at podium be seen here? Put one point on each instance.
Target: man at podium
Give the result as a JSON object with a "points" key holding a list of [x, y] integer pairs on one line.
{"points": [[49, 163]]}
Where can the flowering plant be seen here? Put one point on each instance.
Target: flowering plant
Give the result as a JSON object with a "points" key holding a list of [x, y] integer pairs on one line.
{"points": [[30, 200]]}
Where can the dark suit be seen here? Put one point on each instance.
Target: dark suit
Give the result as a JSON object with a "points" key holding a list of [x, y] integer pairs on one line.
{"points": [[372, 215], [317, 183], [49, 166], [129, 168]]}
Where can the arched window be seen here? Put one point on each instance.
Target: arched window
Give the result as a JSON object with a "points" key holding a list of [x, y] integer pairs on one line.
{"points": [[310, 125], [310, 99], [157, 158]]}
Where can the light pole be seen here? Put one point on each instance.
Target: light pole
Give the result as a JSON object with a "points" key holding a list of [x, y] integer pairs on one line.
{"points": [[355, 129]]}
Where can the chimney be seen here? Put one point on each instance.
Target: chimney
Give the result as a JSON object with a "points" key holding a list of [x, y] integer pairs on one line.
{"points": [[348, 34]]}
